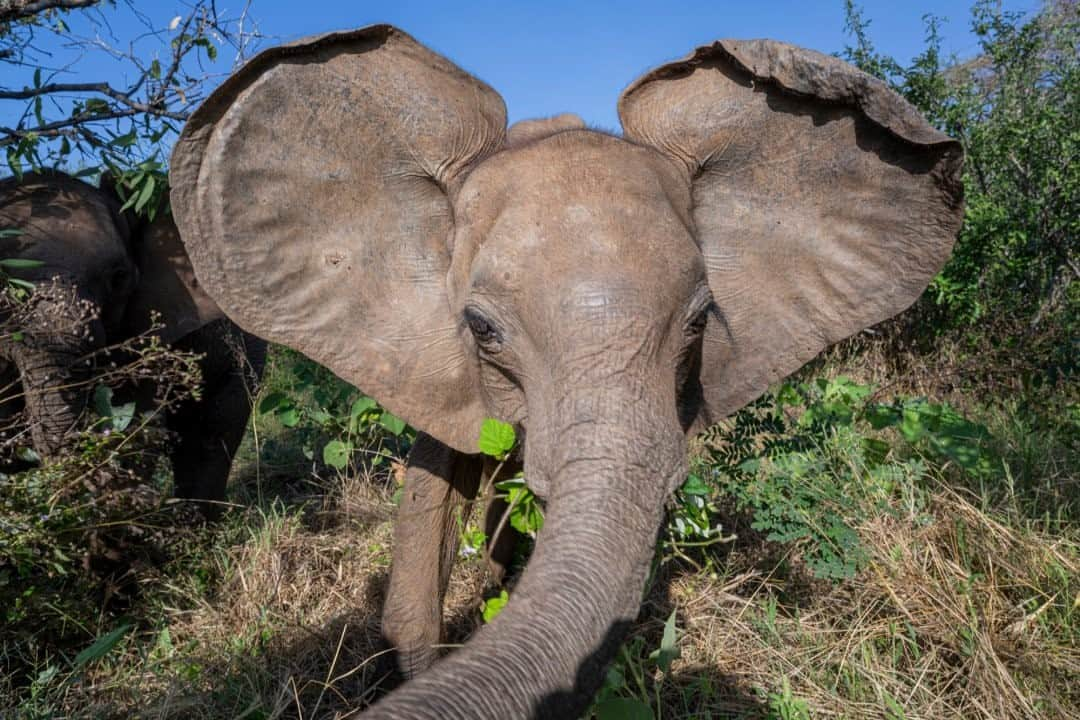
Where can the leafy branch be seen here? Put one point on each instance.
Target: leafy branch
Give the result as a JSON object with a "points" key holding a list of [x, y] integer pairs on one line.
{"points": [[21, 9]]}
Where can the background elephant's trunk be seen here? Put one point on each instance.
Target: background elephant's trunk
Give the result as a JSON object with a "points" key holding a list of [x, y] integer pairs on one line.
{"points": [[59, 332], [543, 656]]}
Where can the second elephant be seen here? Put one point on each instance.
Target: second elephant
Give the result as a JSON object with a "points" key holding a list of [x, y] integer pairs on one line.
{"points": [[99, 274]]}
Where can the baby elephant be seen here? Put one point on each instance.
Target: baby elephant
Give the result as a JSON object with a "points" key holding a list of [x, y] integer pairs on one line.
{"points": [[98, 276], [358, 197]]}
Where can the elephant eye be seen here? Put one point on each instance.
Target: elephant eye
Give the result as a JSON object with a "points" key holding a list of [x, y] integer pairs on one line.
{"points": [[118, 280], [485, 332], [696, 325]]}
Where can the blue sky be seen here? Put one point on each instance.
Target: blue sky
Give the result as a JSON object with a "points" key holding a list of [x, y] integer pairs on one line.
{"points": [[561, 55]]}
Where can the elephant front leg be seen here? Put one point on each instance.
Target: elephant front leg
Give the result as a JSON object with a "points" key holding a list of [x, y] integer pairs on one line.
{"points": [[209, 430], [440, 483]]}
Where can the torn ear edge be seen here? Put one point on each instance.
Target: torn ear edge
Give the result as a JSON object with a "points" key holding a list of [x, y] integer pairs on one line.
{"points": [[822, 78]]}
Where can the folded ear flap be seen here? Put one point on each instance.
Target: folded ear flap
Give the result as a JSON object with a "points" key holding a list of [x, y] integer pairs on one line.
{"points": [[312, 190], [823, 202], [167, 284]]}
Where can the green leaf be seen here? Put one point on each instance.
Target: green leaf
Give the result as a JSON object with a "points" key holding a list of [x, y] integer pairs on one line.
{"points": [[623, 709], [493, 606], [787, 395], [669, 646], [496, 438], [321, 417], [14, 163], [525, 515], [125, 140], [103, 401], [96, 106], [122, 416], [911, 426], [336, 454], [45, 676], [28, 455], [101, 647], [281, 405], [20, 263], [146, 194], [118, 417], [694, 485], [272, 402], [362, 405], [359, 412], [392, 423], [164, 643]]}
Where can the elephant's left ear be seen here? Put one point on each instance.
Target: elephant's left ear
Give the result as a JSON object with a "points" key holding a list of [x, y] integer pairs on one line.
{"points": [[824, 203], [167, 284]]}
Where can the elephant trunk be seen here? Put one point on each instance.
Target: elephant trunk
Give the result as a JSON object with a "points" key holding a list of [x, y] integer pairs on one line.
{"points": [[60, 330], [543, 656]]}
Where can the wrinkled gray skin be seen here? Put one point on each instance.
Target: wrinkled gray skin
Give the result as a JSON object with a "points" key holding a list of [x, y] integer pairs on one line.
{"points": [[97, 263], [358, 197]]}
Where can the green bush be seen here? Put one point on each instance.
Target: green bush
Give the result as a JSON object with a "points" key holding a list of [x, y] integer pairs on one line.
{"points": [[811, 460], [329, 418]]}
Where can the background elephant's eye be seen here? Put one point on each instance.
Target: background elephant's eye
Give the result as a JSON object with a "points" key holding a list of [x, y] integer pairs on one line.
{"points": [[482, 329], [118, 280]]}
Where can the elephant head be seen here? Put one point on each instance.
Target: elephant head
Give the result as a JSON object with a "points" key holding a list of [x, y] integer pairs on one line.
{"points": [[99, 276], [354, 196]]}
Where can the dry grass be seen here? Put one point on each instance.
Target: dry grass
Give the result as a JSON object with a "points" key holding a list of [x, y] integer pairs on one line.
{"points": [[289, 630], [953, 618]]}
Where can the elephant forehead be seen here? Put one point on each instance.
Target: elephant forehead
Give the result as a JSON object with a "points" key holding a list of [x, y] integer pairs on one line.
{"points": [[59, 214], [583, 171], [577, 193]]}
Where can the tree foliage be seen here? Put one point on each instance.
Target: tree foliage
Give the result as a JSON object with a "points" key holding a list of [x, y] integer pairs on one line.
{"points": [[1014, 106]]}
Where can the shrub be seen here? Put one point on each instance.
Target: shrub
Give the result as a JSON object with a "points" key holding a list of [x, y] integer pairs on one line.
{"points": [[812, 459]]}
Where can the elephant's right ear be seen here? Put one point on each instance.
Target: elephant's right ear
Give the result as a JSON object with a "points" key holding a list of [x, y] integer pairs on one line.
{"points": [[312, 190]]}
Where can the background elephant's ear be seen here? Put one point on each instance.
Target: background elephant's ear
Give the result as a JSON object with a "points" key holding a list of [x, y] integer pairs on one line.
{"points": [[313, 193], [823, 202], [167, 284]]}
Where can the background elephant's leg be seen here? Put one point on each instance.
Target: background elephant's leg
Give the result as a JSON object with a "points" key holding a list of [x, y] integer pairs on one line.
{"points": [[210, 429], [440, 484]]}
